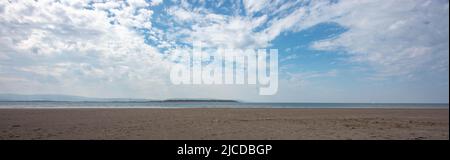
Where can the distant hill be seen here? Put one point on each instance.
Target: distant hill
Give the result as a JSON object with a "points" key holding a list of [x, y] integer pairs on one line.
{"points": [[50, 97]]}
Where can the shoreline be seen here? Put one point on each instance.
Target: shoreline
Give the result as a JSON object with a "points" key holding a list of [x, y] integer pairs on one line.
{"points": [[220, 123]]}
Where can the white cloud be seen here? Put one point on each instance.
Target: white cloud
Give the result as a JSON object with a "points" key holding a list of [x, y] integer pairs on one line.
{"points": [[215, 29], [137, 3], [156, 2], [64, 48], [394, 37], [289, 57], [182, 14], [302, 77], [254, 6], [414, 38], [283, 24]]}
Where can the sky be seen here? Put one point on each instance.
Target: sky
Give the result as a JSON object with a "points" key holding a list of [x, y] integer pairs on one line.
{"points": [[370, 51]]}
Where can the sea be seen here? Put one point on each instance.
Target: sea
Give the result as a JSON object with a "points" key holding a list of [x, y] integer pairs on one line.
{"points": [[173, 105]]}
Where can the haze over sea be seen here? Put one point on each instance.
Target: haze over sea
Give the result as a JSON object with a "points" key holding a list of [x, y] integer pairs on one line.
{"points": [[137, 104]]}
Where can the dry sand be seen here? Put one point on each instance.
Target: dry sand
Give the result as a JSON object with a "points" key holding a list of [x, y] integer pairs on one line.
{"points": [[224, 124]]}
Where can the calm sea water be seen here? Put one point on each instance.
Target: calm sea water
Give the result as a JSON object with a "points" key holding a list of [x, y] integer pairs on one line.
{"points": [[209, 105]]}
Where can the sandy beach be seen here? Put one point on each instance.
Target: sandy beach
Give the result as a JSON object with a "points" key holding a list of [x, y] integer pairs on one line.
{"points": [[415, 124]]}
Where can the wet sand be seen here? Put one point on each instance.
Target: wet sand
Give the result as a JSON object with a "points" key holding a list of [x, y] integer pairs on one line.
{"points": [[416, 124]]}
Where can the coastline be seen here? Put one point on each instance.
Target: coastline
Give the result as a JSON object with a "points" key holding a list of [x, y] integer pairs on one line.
{"points": [[209, 123]]}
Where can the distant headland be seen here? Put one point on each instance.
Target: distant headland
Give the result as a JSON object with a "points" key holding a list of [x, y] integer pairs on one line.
{"points": [[71, 98]]}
